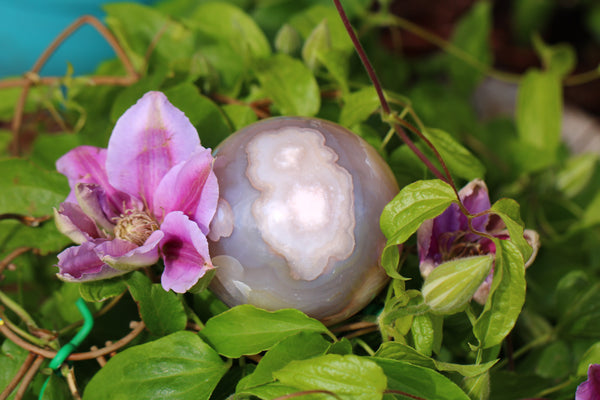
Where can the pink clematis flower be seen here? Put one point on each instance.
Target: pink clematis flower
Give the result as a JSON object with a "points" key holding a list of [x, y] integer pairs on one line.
{"points": [[447, 236], [590, 389], [151, 194]]}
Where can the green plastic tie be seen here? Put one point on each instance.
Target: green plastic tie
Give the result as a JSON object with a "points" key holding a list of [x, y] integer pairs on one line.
{"points": [[66, 350]]}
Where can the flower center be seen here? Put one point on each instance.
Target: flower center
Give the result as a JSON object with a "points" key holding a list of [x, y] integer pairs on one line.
{"points": [[135, 226], [455, 245]]}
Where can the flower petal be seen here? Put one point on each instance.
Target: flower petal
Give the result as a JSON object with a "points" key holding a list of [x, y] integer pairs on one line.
{"points": [[590, 389], [126, 256], [72, 222], [148, 140], [185, 253], [190, 187], [83, 164], [476, 199], [533, 238], [81, 264], [90, 198]]}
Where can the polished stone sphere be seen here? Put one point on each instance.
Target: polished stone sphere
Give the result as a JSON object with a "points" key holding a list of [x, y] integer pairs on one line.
{"points": [[297, 222]]}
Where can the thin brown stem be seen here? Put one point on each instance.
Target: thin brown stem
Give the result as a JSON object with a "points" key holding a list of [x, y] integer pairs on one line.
{"points": [[361, 332], [26, 219], [384, 103], [354, 326], [137, 328], [35, 366], [11, 256], [72, 383], [32, 76], [17, 378]]}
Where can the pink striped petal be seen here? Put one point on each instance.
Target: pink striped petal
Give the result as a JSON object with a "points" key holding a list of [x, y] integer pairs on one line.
{"points": [[81, 264], [72, 222], [126, 256], [190, 187], [148, 140], [83, 164], [184, 251]]}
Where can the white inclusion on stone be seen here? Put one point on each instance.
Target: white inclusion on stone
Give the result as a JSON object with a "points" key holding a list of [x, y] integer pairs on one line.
{"points": [[222, 223], [305, 211]]}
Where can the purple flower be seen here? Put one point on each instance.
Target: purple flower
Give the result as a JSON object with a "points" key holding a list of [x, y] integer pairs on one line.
{"points": [[151, 194], [590, 389], [448, 237]]}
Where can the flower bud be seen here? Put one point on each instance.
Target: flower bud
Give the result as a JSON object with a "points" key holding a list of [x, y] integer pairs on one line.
{"points": [[450, 286]]}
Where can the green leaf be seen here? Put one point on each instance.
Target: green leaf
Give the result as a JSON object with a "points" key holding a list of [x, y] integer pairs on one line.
{"points": [[509, 211], [317, 42], [301, 346], [591, 356], [418, 381], [358, 106], [458, 158], [575, 175], [239, 115], [48, 148], [102, 290], [276, 390], [287, 40], [232, 27], [472, 35], [538, 117], [591, 214], [46, 238], [28, 190], [246, 329], [554, 360], [478, 387], [402, 352], [12, 357], [205, 115], [161, 311], [558, 59], [179, 366], [506, 297], [136, 26], [337, 374], [416, 203], [306, 22], [131, 94], [290, 84], [423, 333]]}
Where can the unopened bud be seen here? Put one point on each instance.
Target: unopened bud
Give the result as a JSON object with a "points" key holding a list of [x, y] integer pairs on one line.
{"points": [[450, 286]]}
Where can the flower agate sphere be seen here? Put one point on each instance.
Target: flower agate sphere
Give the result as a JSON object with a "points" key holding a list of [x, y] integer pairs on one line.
{"points": [[297, 221]]}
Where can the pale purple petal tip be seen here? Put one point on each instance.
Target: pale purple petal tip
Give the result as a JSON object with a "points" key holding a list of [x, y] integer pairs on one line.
{"points": [[72, 222], [590, 389], [190, 187], [476, 199], [81, 264], [126, 256], [185, 253], [148, 140], [83, 164]]}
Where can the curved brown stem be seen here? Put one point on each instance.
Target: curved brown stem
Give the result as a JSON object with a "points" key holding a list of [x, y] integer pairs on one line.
{"points": [[20, 373], [35, 366], [32, 76], [89, 355], [11, 256]]}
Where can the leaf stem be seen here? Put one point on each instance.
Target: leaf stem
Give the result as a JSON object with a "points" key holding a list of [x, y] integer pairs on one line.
{"points": [[17, 309], [395, 121]]}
